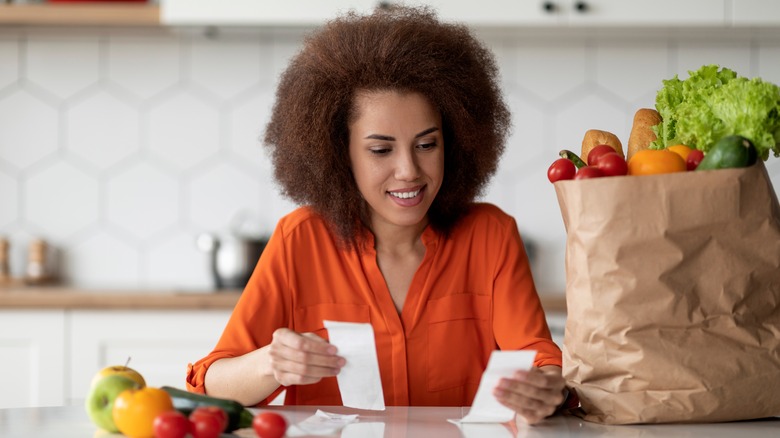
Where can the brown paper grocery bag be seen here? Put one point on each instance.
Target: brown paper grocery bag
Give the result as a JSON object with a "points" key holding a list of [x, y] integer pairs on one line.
{"points": [[673, 296]]}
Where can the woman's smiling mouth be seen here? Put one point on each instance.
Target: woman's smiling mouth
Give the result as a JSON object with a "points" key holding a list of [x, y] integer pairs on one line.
{"points": [[407, 198]]}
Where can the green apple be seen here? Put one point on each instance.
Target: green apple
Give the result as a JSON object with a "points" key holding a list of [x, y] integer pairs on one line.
{"points": [[121, 370], [100, 400]]}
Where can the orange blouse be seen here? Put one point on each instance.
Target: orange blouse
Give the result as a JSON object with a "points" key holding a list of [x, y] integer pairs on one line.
{"points": [[473, 293]]}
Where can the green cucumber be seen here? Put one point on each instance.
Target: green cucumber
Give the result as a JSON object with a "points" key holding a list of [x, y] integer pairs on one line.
{"points": [[569, 155], [729, 152], [185, 402]]}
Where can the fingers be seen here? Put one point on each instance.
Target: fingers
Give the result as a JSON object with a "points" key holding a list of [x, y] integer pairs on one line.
{"points": [[301, 359], [533, 394]]}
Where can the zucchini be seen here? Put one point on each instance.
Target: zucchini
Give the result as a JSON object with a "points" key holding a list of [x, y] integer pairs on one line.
{"points": [[185, 402], [729, 152]]}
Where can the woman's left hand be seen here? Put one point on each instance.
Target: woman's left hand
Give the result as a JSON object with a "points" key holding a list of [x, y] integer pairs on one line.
{"points": [[533, 394]]}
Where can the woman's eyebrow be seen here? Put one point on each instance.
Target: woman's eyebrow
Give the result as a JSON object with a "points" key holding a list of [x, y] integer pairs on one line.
{"points": [[427, 131], [380, 137], [389, 138]]}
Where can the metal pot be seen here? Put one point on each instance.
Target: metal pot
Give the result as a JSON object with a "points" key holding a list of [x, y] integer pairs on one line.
{"points": [[231, 259]]}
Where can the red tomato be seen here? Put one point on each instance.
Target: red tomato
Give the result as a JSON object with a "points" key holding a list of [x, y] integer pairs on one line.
{"points": [[208, 422], [171, 424], [693, 159], [269, 425], [211, 411], [598, 151], [612, 164], [589, 172], [562, 168]]}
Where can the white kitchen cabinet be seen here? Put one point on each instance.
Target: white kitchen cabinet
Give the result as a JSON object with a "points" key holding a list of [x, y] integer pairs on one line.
{"points": [[32, 348], [499, 12], [661, 13], [583, 13], [159, 343], [556, 322], [254, 13], [755, 13], [50, 356], [564, 13]]}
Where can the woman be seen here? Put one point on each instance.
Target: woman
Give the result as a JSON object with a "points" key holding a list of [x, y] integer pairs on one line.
{"points": [[386, 127]]}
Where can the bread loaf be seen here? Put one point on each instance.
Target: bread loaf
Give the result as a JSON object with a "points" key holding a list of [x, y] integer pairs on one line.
{"points": [[594, 137], [641, 131]]}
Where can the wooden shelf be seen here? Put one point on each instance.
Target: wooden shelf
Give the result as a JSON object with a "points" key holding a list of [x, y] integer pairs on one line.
{"points": [[55, 297], [81, 14]]}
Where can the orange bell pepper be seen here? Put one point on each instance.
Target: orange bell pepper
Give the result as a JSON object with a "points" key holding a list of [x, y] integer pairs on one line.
{"points": [[652, 162]]}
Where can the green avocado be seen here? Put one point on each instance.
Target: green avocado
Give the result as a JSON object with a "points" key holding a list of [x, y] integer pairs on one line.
{"points": [[729, 152]]}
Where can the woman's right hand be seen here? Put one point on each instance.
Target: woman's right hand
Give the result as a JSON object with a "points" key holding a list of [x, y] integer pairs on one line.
{"points": [[302, 358]]}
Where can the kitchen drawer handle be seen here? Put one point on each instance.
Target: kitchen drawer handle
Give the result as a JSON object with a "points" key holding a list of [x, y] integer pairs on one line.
{"points": [[581, 7], [549, 7]]}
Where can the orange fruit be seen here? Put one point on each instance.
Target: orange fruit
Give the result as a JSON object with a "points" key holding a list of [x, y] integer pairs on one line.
{"points": [[135, 409]]}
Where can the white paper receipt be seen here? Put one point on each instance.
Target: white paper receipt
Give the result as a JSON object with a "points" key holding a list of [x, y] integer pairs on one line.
{"points": [[321, 423], [485, 408], [359, 380]]}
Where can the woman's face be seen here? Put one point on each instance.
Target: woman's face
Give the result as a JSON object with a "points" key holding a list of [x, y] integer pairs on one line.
{"points": [[396, 149]]}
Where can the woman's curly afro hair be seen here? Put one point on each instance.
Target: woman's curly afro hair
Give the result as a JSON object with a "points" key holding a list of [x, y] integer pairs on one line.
{"points": [[400, 49]]}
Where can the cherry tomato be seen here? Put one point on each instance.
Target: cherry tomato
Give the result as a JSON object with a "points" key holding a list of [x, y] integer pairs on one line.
{"points": [[693, 159], [560, 169], [207, 422], [598, 151], [269, 425], [212, 411], [589, 172], [612, 164], [171, 424]]}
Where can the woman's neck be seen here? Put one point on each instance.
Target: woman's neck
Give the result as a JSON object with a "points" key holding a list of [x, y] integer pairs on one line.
{"points": [[394, 239]]}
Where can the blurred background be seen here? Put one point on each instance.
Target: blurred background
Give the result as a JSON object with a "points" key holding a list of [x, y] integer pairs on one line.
{"points": [[121, 143]]}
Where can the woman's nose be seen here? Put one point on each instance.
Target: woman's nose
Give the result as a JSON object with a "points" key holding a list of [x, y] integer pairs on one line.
{"points": [[406, 168]]}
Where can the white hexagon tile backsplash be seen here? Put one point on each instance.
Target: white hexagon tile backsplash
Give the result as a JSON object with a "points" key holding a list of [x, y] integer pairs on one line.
{"points": [[9, 68], [29, 128], [61, 200], [144, 65], [102, 129], [134, 192], [63, 65], [119, 147], [8, 199]]}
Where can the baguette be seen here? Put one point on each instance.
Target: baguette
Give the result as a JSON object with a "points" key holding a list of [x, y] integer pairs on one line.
{"points": [[594, 137], [641, 133]]}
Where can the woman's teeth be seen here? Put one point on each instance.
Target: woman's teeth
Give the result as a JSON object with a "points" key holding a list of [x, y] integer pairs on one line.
{"points": [[405, 195]]}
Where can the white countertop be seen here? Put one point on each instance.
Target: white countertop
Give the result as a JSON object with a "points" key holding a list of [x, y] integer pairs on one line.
{"points": [[407, 422]]}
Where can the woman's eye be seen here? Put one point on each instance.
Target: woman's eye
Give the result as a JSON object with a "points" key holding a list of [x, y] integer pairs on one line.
{"points": [[427, 145], [379, 151]]}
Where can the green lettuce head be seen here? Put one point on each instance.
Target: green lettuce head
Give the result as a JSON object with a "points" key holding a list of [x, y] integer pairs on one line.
{"points": [[713, 103]]}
